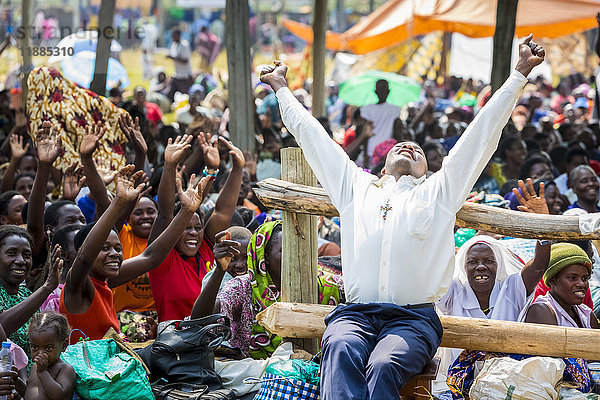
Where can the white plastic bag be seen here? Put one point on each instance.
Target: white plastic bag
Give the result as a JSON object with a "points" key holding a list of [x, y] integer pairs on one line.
{"points": [[567, 393], [503, 378]]}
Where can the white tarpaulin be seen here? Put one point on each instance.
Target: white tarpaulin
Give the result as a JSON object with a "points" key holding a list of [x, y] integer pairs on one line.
{"points": [[472, 58]]}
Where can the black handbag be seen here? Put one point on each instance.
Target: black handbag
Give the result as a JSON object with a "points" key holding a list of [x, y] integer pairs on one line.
{"points": [[186, 391], [183, 351]]}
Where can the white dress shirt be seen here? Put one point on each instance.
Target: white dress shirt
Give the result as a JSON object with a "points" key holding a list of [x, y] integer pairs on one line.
{"points": [[408, 257], [383, 116], [183, 69]]}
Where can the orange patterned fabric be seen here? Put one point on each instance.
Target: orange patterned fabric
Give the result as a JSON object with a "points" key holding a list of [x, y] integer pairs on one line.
{"points": [[51, 97]]}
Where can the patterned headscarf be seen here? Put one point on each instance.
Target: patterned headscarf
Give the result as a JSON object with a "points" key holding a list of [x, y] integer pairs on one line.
{"points": [[265, 293], [51, 97]]}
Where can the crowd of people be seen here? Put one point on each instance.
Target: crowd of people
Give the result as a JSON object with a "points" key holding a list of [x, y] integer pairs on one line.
{"points": [[178, 233]]}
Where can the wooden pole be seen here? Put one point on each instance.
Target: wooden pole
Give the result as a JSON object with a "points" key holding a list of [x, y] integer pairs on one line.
{"points": [[26, 47], [318, 48], [506, 16], [340, 16], [239, 64], [307, 320], [105, 36], [294, 197], [299, 257]]}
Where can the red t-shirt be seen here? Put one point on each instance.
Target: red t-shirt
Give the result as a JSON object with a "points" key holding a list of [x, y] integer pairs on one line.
{"points": [[177, 282], [98, 318], [541, 289]]}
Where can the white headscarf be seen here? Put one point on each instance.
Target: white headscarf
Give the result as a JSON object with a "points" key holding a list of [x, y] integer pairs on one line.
{"points": [[508, 263]]}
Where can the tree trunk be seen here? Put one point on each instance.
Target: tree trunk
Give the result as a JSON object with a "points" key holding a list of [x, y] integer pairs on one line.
{"points": [[105, 36], [506, 16], [319, 31], [26, 46], [239, 64]]}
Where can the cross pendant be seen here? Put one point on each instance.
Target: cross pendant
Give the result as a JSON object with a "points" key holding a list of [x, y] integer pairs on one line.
{"points": [[385, 209]]}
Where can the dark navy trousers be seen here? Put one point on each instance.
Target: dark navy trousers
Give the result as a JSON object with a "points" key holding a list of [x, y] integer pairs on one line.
{"points": [[370, 351]]}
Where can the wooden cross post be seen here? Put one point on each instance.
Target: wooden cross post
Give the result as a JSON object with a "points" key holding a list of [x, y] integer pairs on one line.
{"points": [[299, 257]]}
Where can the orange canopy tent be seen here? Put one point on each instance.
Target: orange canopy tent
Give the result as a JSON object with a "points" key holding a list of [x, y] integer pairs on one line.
{"points": [[397, 20]]}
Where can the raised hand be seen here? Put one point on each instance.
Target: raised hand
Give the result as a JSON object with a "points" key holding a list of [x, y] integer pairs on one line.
{"points": [[89, 142], [133, 133], [57, 262], [530, 201], [274, 75], [236, 154], [225, 249], [73, 181], [126, 188], [176, 149], [17, 150], [103, 168], [530, 55], [48, 143], [192, 197], [210, 150]]}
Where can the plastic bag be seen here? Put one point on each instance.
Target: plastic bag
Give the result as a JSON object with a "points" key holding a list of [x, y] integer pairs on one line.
{"points": [[533, 378], [567, 393], [302, 370], [105, 372]]}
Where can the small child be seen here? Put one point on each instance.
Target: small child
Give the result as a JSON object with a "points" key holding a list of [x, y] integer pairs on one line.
{"points": [[50, 377]]}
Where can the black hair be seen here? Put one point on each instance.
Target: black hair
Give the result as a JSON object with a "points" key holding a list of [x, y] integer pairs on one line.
{"points": [[25, 212], [45, 320], [557, 155], [532, 146], [7, 231], [239, 233], [508, 187], [246, 214], [547, 183], [114, 92], [53, 211], [23, 175], [61, 236], [564, 128], [82, 234], [574, 152], [432, 145], [5, 199], [505, 145], [525, 169]]}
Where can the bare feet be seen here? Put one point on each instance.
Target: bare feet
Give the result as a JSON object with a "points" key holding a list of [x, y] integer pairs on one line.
{"points": [[530, 55]]}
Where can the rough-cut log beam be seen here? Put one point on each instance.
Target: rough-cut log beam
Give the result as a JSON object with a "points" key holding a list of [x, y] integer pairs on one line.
{"points": [[306, 320], [287, 196]]}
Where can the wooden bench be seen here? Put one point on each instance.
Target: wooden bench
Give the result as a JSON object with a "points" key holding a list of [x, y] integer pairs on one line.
{"points": [[419, 387]]}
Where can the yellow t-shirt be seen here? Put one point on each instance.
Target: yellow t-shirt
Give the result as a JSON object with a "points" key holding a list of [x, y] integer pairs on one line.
{"points": [[135, 295]]}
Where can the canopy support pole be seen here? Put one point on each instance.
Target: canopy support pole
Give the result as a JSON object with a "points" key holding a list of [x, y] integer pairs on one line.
{"points": [[239, 64], [506, 20], [318, 85], [105, 36]]}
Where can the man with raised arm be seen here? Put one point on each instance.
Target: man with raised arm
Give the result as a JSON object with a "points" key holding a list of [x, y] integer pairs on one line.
{"points": [[397, 240]]}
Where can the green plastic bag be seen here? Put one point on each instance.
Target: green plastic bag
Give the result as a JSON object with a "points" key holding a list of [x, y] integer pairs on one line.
{"points": [[302, 370], [105, 372]]}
